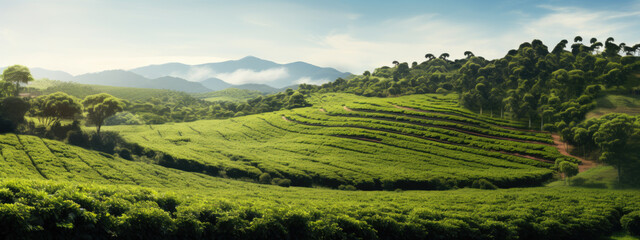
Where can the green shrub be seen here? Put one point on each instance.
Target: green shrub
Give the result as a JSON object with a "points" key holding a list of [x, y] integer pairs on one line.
{"points": [[282, 182], [631, 222], [265, 178], [145, 221], [483, 184], [6, 196], [347, 187]]}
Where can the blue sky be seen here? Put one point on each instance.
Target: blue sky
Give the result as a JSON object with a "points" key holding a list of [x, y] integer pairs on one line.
{"points": [[94, 35]]}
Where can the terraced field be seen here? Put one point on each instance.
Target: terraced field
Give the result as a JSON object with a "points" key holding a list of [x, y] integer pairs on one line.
{"points": [[31, 157], [412, 142]]}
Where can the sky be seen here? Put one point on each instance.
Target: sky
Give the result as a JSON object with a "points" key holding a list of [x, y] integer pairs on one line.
{"points": [[349, 35]]}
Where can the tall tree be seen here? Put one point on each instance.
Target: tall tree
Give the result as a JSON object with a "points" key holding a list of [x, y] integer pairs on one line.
{"points": [[612, 136], [577, 39], [444, 56], [17, 74], [101, 106], [468, 54], [429, 56]]}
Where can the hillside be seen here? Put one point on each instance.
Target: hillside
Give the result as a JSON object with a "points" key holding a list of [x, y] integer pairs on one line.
{"points": [[413, 142], [229, 94], [629, 104], [75, 192]]}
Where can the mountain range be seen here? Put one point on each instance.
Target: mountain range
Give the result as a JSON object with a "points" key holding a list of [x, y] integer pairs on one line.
{"points": [[247, 73]]}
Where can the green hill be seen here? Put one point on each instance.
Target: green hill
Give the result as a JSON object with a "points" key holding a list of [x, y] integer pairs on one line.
{"points": [[412, 142], [628, 104], [229, 94]]}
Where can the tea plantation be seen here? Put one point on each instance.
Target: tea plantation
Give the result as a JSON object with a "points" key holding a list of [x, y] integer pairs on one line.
{"points": [[413, 142]]}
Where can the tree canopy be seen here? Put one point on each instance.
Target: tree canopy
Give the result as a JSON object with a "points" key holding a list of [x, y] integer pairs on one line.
{"points": [[17, 74], [52, 108], [101, 106]]}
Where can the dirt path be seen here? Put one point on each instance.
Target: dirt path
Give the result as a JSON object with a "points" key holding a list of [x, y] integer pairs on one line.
{"points": [[286, 119], [348, 109], [322, 110], [584, 166]]}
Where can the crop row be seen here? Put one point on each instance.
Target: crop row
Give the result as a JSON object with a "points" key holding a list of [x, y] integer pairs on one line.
{"points": [[438, 134], [48, 209]]}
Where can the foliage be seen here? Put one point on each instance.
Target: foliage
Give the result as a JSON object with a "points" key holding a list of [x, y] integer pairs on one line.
{"points": [[229, 94], [13, 109], [631, 222], [100, 107], [528, 83], [52, 108], [16, 74], [123, 118]]}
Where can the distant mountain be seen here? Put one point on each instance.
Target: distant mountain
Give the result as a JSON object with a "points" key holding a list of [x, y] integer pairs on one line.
{"points": [[178, 84], [246, 70], [215, 84], [39, 73], [121, 78]]}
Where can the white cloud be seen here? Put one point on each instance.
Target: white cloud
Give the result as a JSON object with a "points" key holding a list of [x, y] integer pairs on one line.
{"points": [[308, 80], [195, 74], [242, 76]]}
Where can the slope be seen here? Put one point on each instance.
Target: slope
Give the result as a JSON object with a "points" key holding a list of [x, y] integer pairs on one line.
{"points": [[435, 145]]}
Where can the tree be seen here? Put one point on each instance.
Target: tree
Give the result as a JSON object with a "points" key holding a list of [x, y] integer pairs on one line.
{"points": [[577, 39], [429, 56], [612, 136], [52, 108], [569, 169], [582, 138], [468, 54], [101, 106], [444, 56], [396, 63], [13, 109], [17, 74], [560, 46]]}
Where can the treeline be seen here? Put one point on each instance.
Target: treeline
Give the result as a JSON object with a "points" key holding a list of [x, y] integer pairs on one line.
{"points": [[530, 82], [181, 107], [153, 106]]}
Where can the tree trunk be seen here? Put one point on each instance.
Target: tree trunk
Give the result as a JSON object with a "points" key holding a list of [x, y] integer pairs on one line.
{"points": [[480, 110], [529, 122], [98, 129], [619, 172], [17, 89], [501, 113], [492, 112], [541, 122]]}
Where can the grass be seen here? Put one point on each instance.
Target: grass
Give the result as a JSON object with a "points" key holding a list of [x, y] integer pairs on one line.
{"points": [[615, 104], [598, 177]]}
